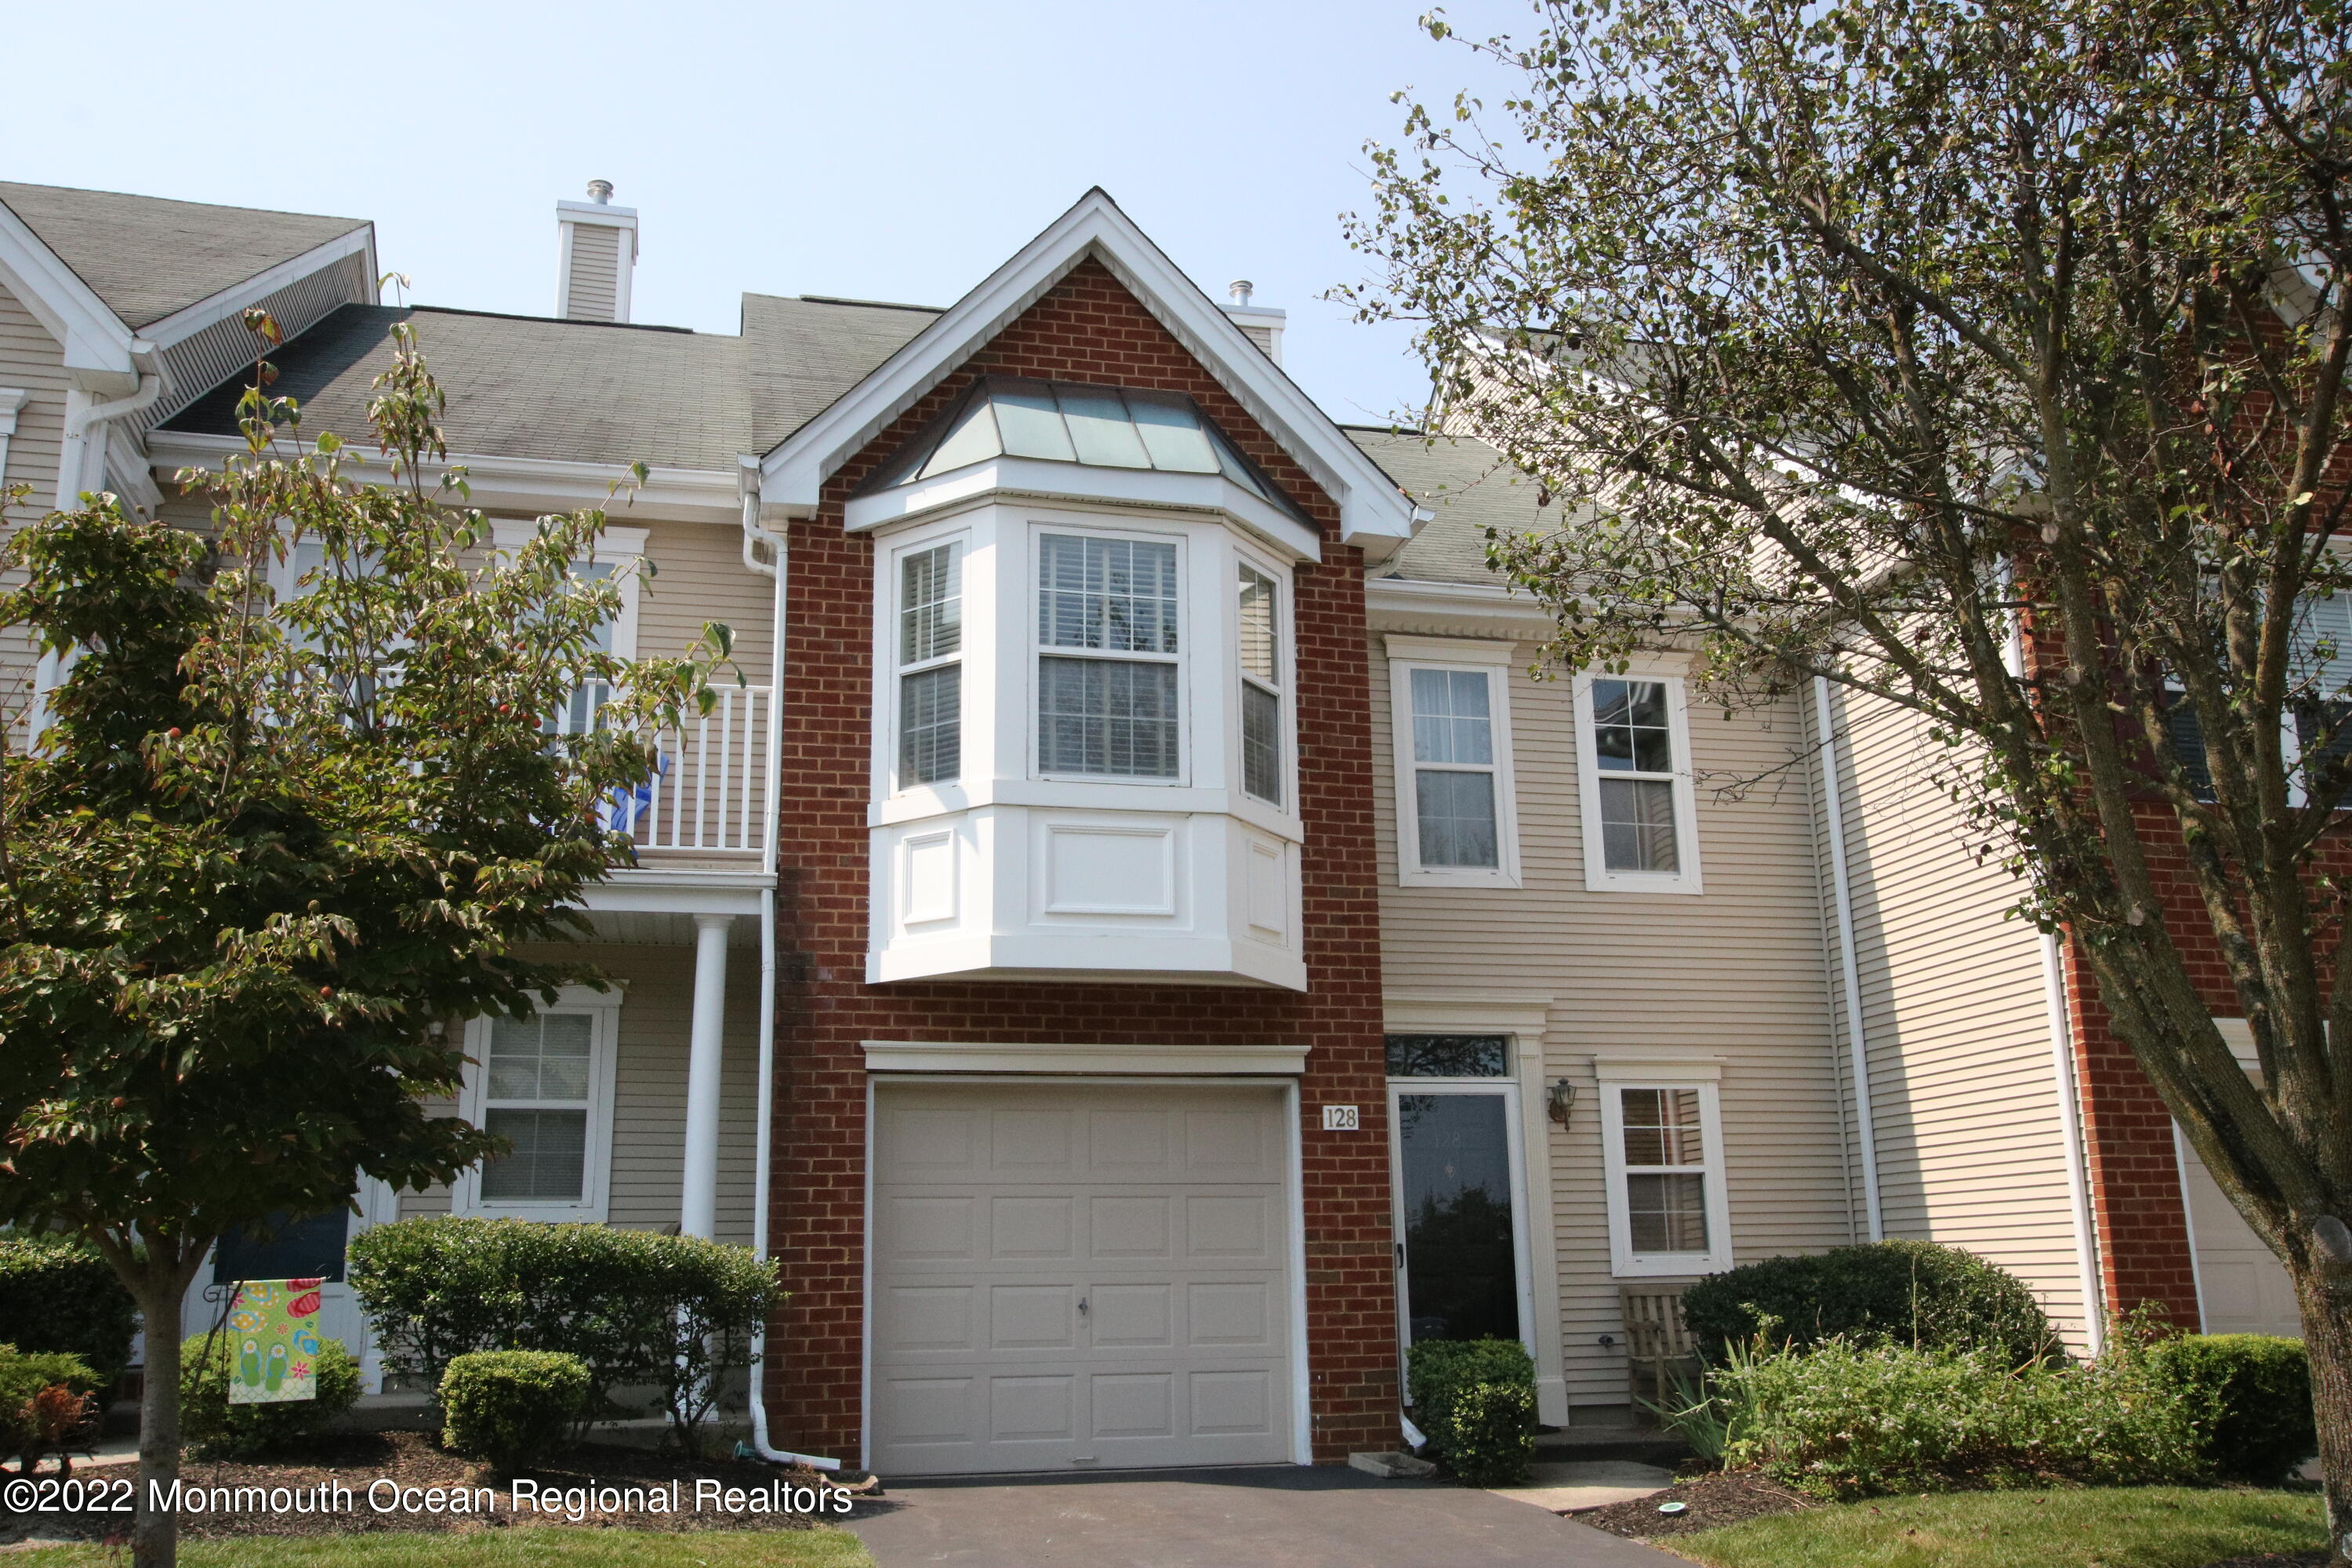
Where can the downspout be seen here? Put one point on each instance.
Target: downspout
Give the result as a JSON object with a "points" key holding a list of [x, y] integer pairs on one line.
{"points": [[86, 423], [764, 1136], [2061, 1063], [1841, 887]]}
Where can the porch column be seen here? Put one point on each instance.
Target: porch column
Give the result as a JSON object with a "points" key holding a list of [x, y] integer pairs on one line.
{"points": [[698, 1209]]}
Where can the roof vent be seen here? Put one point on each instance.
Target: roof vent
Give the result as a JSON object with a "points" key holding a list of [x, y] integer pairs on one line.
{"points": [[596, 256], [1261, 323]]}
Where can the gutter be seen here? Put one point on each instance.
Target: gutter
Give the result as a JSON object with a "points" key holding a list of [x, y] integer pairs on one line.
{"points": [[1841, 887], [85, 426], [764, 1136]]}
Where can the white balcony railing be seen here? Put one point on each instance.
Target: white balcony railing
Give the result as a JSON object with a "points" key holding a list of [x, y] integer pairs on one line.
{"points": [[710, 793]]}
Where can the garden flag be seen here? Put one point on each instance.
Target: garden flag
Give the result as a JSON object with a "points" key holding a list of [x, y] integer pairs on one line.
{"points": [[273, 1347]]}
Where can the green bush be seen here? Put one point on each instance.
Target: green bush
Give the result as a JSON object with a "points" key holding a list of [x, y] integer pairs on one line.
{"points": [[1912, 1293], [1842, 1420], [512, 1408], [219, 1430], [2253, 1398], [1440, 1372], [58, 1294], [1489, 1437], [34, 1417], [675, 1312]]}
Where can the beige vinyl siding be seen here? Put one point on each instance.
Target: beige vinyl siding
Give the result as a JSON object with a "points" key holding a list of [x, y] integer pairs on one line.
{"points": [[1736, 973], [699, 577], [30, 360], [594, 294], [1970, 1147], [648, 1147]]}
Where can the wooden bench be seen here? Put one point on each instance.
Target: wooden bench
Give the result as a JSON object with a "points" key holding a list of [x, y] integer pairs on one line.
{"points": [[1657, 1345]]}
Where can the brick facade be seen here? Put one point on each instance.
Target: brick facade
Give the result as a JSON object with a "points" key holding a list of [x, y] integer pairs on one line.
{"points": [[1087, 327]]}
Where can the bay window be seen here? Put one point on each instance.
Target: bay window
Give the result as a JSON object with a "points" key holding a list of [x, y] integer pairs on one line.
{"points": [[1260, 661], [1106, 693], [931, 673]]}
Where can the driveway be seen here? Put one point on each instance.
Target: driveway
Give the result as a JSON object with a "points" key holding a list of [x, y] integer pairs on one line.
{"points": [[1285, 1517]]}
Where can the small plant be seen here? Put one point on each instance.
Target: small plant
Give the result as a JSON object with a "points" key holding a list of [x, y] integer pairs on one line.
{"points": [[2252, 1399], [217, 1429], [1705, 1421], [1490, 1434], [57, 1294], [1912, 1293], [1440, 1372], [512, 1408], [45, 1404]]}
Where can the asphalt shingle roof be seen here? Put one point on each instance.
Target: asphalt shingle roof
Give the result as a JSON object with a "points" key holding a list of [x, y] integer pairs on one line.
{"points": [[804, 353], [148, 257], [1469, 485]]}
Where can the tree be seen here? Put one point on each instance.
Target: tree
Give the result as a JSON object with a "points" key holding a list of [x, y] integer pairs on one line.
{"points": [[267, 852], [1856, 335]]}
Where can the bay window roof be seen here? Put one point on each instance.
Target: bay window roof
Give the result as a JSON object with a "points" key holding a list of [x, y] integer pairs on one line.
{"points": [[1070, 422]]}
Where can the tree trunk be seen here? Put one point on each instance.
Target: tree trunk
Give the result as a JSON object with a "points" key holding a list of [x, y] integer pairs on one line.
{"points": [[2327, 1340], [155, 1537]]}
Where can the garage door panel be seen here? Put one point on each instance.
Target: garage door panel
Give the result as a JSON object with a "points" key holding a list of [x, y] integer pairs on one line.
{"points": [[929, 1143], [1160, 1207]]}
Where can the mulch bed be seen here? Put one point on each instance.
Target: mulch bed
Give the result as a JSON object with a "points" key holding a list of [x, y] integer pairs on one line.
{"points": [[1715, 1498], [412, 1459], [2277, 1560]]}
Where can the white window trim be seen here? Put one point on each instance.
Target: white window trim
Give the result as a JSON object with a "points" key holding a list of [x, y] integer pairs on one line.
{"points": [[894, 669], [1494, 660], [1284, 687], [1629, 1071], [1188, 624], [603, 1008], [1598, 877], [625, 547]]}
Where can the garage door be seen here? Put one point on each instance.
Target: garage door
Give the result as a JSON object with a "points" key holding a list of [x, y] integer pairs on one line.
{"points": [[2241, 1287], [1069, 1276]]}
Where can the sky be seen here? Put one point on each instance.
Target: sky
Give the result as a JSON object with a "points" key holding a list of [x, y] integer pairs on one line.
{"points": [[860, 148]]}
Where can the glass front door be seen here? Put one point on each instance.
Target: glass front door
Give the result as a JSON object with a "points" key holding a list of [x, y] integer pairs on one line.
{"points": [[1457, 1183]]}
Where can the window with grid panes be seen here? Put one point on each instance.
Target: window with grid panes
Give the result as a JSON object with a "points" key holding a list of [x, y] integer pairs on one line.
{"points": [[1454, 768], [1261, 685], [1107, 679], [537, 1076], [931, 670], [1632, 742], [1665, 1169]]}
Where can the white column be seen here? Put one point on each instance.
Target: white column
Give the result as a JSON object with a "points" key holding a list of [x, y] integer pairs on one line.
{"points": [[698, 1209]]}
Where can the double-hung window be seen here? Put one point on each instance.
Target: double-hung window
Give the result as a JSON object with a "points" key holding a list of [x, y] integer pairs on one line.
{"points": [[1663, 1142], [931, 669], [544, 1084], [1632, 746], [1107, 681], [1260, 650], [1455, 810]]}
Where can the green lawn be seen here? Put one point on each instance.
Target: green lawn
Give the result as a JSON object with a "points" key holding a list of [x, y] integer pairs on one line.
{"points": [[526, 1546], [2133, 1527]]}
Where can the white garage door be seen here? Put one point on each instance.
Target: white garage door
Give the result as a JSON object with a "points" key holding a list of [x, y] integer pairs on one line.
{"points": [[1077, 1275], [2241, 1287]]}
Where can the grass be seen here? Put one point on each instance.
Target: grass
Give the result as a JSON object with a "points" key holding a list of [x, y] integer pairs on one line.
{"points": [[526, 1546], [2114, 1527]]}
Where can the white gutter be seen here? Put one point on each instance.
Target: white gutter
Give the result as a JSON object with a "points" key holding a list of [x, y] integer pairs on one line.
{"points": [[764, 1137], [1865, 1115], [84, 431]]}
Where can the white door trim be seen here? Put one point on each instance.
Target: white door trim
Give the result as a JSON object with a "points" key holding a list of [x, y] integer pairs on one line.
{"points": [[1515, 1142]]}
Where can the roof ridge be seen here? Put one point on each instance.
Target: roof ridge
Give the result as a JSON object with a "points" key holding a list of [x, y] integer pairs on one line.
{"points": [[870, 304], [185, 202], [562, 321]]}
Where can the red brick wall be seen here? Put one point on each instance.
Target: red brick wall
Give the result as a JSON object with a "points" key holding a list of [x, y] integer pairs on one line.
{"points": [[1088, 328]]}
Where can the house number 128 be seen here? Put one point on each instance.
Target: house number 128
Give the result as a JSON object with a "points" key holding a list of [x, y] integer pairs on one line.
{"points": [[1340, 1119]]}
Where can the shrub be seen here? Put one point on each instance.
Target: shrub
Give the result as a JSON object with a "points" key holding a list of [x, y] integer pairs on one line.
{"points": [[512, 1408], [1842, 1420], [2251, 1395], [219, 1430], [57, 1294], [1489, 1437], [1911, 1293], [45, 1401], [1442, 1370], [675, 1312]]}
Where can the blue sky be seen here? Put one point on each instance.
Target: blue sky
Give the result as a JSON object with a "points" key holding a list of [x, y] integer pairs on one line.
{"points": [[858, 147]]}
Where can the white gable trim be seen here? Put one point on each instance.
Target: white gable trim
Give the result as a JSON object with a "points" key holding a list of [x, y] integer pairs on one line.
{"points": [[97, 343], [191, 319], [1372, 512]]}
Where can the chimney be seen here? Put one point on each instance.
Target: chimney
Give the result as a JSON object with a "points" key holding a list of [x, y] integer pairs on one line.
{"points": [[1261, 323], [597, 253]]}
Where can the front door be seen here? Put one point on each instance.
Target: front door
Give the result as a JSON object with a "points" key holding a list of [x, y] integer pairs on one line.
{"points": [[312, 1248]]}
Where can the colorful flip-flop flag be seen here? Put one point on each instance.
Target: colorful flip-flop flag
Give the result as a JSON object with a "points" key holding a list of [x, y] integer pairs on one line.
{"points": [[273, 1347]]}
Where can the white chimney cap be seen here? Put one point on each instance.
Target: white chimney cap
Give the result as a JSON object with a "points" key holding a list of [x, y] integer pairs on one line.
{"points": [[1239, 289], [600, 190]]}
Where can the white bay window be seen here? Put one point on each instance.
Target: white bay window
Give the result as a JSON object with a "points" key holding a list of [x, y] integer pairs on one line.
{"points": [[930, 675], [1108, 611]]}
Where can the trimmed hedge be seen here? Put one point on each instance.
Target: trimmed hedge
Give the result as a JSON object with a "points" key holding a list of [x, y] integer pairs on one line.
{"points": [[2252, 1395], [219, 1430], [511, 1409], [1490, 1433], [1442, 1372], [1912, 1293], [676, 1312], [45, 1401], [57, 1294]]}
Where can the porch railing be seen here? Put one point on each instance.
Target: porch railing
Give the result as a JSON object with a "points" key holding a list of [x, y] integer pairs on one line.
{"points": [[708, 793]]}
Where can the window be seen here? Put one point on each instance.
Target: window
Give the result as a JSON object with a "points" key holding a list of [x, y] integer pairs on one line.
{"points": [[1633, 751], [1662, 1141], [1449, 1056], [1260, 658], [931, 673], [619, 557], [1107, 695], [1455, 811], [544, 1084]]}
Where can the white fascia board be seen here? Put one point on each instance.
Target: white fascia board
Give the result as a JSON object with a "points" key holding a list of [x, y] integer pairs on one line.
{"points": [[1474, 601], [1155, 1061], [1032, 478], [190, 320], [1372, 511], [97, 342], [680, 892], [520, 484]]}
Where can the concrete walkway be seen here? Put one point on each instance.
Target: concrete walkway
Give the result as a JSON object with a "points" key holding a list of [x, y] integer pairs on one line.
{"points": [[1285, 1517]]}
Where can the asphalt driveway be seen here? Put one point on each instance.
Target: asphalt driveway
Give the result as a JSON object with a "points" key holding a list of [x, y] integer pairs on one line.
{"points": [[1285, 1517]]}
